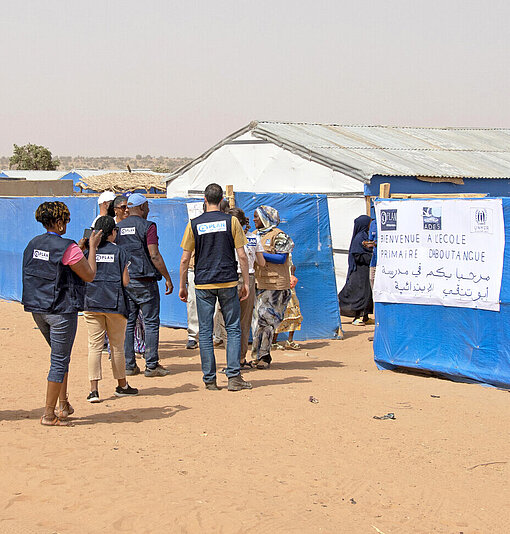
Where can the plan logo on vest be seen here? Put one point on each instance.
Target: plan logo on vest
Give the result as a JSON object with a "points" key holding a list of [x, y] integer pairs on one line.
{"points": [[212, 227], [105, 258], [388, 220], [252, 241], [41, 255], [481, 220], [431, 218], [130, 230]]}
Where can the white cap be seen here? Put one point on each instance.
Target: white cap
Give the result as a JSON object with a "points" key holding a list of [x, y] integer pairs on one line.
{"points": [[106, 196]]}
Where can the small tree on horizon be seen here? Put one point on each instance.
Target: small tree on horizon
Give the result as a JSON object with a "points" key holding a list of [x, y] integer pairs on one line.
{"points": [[32, 158]]}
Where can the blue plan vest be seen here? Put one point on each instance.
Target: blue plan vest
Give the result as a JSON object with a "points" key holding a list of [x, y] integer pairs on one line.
{"points": [[106, 293], [215, 260], [132, 237], [49, 286]]}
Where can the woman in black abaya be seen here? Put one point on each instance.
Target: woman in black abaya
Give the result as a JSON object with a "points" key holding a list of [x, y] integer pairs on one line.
{"points": [[356, 296]]}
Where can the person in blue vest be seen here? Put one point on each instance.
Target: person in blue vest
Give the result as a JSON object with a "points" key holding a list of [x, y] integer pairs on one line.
{"points": [[54, 272], [139, 238], [105, 310], [216, 237]]}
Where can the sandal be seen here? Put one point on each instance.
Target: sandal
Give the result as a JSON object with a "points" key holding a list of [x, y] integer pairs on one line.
{"points": [[292, 345], [261, 364], [45, 421], [65, 411], [246, 364], [277, 346]]}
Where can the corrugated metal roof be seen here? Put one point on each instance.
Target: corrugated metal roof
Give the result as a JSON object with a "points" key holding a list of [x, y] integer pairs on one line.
{"points": [[365, 151]]}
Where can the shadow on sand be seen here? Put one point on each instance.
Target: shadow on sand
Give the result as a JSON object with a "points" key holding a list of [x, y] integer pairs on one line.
{"points": [[130, 415]]}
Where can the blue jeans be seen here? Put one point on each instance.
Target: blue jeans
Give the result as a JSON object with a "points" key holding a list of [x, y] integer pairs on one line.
{"points": [[59, 330], [231, 310], [143, 295]]}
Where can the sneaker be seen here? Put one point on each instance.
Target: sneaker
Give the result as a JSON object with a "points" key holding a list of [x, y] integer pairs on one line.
{"points": [[191, 344], [236, 383], [217, 342], [128, 391], [212, 386], [358, 322], [134, 371], [93, 396], [157, 371]]}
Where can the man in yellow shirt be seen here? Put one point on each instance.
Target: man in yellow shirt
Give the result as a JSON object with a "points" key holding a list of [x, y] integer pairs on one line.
{"points": [[215, 237]]}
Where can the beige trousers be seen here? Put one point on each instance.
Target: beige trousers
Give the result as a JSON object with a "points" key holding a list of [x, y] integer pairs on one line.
{"points": [[113, 324]]}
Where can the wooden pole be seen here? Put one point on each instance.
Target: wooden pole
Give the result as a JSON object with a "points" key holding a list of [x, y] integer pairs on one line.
{"points": [[368, 202], [229, 193], [384, 190]]}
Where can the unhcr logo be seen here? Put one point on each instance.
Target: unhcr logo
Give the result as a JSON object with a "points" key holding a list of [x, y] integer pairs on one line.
{"points": [[388, 220], [481, 220]]}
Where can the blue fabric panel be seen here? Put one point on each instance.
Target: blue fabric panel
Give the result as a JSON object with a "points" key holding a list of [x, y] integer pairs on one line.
{"points": [[306, 219], [410, 184], [456, 342], [171, 217], [18, 226]]}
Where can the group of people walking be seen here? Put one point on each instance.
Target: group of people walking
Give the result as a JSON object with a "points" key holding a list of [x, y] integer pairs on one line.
{"points": [[112, 276]]}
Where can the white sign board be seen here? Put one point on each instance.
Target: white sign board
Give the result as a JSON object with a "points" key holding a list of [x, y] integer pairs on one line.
{"points": [[194, 209], [440, 252]]}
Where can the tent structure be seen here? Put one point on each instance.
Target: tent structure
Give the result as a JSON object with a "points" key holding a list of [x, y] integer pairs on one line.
{"points": [[348, 164], [463, 334]]}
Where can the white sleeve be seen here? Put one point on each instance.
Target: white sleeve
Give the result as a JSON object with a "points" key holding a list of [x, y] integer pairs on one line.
{"points": [[259, 247]]}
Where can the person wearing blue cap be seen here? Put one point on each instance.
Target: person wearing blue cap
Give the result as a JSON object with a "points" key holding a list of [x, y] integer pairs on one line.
{"points": [[139, 238]]}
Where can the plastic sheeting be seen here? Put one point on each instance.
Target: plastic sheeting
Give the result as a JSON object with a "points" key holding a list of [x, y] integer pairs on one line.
{"points": [[460, 343], [305, 217]]}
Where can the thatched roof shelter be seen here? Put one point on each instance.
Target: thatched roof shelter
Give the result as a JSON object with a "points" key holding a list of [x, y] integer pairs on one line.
{"points": [[120, 182]]}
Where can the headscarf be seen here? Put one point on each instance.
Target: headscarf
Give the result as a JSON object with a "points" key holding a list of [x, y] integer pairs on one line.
{"points": [[359, 234], [269, 217]]}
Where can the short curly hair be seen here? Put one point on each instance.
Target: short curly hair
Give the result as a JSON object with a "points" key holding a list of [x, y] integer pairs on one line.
{"points": [[48, 213]]}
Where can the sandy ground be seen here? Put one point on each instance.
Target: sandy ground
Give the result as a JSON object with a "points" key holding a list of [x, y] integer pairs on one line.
{"points": [[181, 459]]}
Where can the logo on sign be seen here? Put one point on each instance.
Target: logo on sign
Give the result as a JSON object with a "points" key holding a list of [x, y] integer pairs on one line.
{"points": [[212, 227], [431, 218], [105, 258], [481, 220], [41, 255], [388, 220], [131, 230]]}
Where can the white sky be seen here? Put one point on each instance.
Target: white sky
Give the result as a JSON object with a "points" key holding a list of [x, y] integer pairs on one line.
{"points": [[165, 77]]}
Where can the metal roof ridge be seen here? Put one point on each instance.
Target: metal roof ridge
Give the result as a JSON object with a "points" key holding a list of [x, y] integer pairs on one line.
{"points": [[389, 126]]}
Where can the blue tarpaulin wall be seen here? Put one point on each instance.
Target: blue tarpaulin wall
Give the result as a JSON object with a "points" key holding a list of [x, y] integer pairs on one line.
{"points": [[460, 343], [305, 217]]}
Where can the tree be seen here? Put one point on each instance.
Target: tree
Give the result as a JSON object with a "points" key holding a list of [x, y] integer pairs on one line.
{"points": [[32, 157]]}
